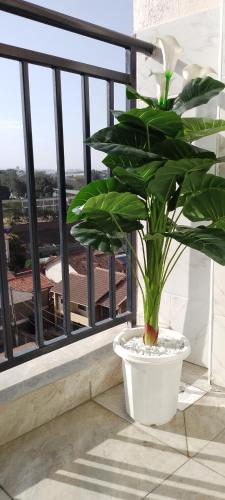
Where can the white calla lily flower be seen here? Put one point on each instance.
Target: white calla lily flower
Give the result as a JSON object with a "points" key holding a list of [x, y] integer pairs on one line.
{"points": [[160, 85], [170, 50], [192, 71]]}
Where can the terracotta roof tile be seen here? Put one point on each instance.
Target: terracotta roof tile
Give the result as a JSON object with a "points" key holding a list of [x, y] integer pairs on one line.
{"points": [[24, 282], [78, 261], [78, 286], [10, 275], [121, 295]]}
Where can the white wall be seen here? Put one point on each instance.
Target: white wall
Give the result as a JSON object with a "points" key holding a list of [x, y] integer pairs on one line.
{"points": [[53, 271], [187, 297], [218, 345]]}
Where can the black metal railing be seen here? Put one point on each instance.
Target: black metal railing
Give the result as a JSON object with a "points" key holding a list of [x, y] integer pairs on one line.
{"points": [[25, 57]]}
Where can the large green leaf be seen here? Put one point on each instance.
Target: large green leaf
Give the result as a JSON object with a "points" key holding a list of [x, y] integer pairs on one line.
{"points": [[175, 149], [208, 240], [196, 128], [92, 189], [158, 121], [137, 179], [179, 168], [122, 140], [132, 94], [87, 234], [209, 205], [162, 187], [125, 205], [196, 92], [112, 161], [196, 181], [164, 182]]}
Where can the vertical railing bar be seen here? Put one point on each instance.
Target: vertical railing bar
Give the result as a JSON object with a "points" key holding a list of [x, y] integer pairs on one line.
{"points": [[87, 175], [32, 209], [60, 157], [4, 293], [112, 284], [131, 68]]}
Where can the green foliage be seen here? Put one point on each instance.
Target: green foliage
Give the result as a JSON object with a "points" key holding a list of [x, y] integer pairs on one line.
{"points": [[89, 234], [14, 179], [126, 205], [158, 175], [133, 94], [208, 204], [197, 92], [196, 128], [44, 184], [208, 240], [17, 251], [158, 121], [91, 190]]}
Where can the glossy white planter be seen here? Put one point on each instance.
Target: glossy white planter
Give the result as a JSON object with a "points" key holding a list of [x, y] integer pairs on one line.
{"points": [[151, 383]]}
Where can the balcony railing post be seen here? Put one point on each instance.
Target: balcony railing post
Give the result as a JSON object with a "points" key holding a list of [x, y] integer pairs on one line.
{"points": [[4, 291], [31, 194], [87, 175], [131, 67], [112, 285], [62, 199]]}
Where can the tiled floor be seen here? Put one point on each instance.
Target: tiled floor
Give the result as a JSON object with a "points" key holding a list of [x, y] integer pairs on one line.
{"points": [[95, 452]]}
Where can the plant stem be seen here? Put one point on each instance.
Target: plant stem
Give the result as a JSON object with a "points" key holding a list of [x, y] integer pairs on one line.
{"points": [[171, 269], [167, 86]]}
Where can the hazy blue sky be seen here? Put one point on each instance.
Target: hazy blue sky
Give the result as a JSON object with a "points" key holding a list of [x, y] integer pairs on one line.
{"points": [[14, 30]]}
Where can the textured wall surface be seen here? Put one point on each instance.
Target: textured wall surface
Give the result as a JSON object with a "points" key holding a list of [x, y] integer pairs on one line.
{"points": [[186, 299], [149, 13]]}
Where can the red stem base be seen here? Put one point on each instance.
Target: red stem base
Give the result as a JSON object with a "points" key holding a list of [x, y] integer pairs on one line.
{"points": [[150, 335]]}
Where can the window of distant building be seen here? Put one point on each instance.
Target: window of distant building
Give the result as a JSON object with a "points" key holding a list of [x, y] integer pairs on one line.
{"points": [[81, 307]]}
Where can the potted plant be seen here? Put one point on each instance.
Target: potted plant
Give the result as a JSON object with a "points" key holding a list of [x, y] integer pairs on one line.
{"points": [[158, 175]]}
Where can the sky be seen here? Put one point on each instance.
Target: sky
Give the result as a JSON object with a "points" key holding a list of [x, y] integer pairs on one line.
{"points": [[116, 15]]}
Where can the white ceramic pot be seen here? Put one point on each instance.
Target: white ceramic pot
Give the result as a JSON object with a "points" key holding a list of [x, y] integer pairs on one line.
{"points": [[151, 383]]}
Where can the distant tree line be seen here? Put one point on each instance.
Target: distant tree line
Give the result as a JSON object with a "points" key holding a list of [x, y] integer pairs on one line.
{"points": [[15, 180], [45, 183]]}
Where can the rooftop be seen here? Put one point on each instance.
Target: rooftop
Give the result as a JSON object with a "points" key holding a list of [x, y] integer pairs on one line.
{"points": [[79, 292], [77, 260], [23, 282]]}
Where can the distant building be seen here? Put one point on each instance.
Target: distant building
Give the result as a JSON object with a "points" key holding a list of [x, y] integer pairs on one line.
{"points": [[51, 203], [48, 237], [78, 264], [21, 303], [79, 296]]}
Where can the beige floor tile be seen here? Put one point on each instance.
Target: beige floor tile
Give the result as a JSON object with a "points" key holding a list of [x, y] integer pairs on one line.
{"points": [[192, 481], [213, 454], [195, 375], [114, 400], [86, 454], [3, 495], [173, 433], [188, 395], [204, 421]]}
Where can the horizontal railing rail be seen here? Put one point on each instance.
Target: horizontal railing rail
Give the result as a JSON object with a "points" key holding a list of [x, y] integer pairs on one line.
{"points": [[13, 354], [68, 23], [54, 62]]}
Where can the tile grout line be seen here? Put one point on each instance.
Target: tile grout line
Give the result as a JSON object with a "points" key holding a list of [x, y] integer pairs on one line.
{"points": [[195, 454], [152, 435], [165, 479], [6, 492], [210, 441], [186, 436], [209, 468]]}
